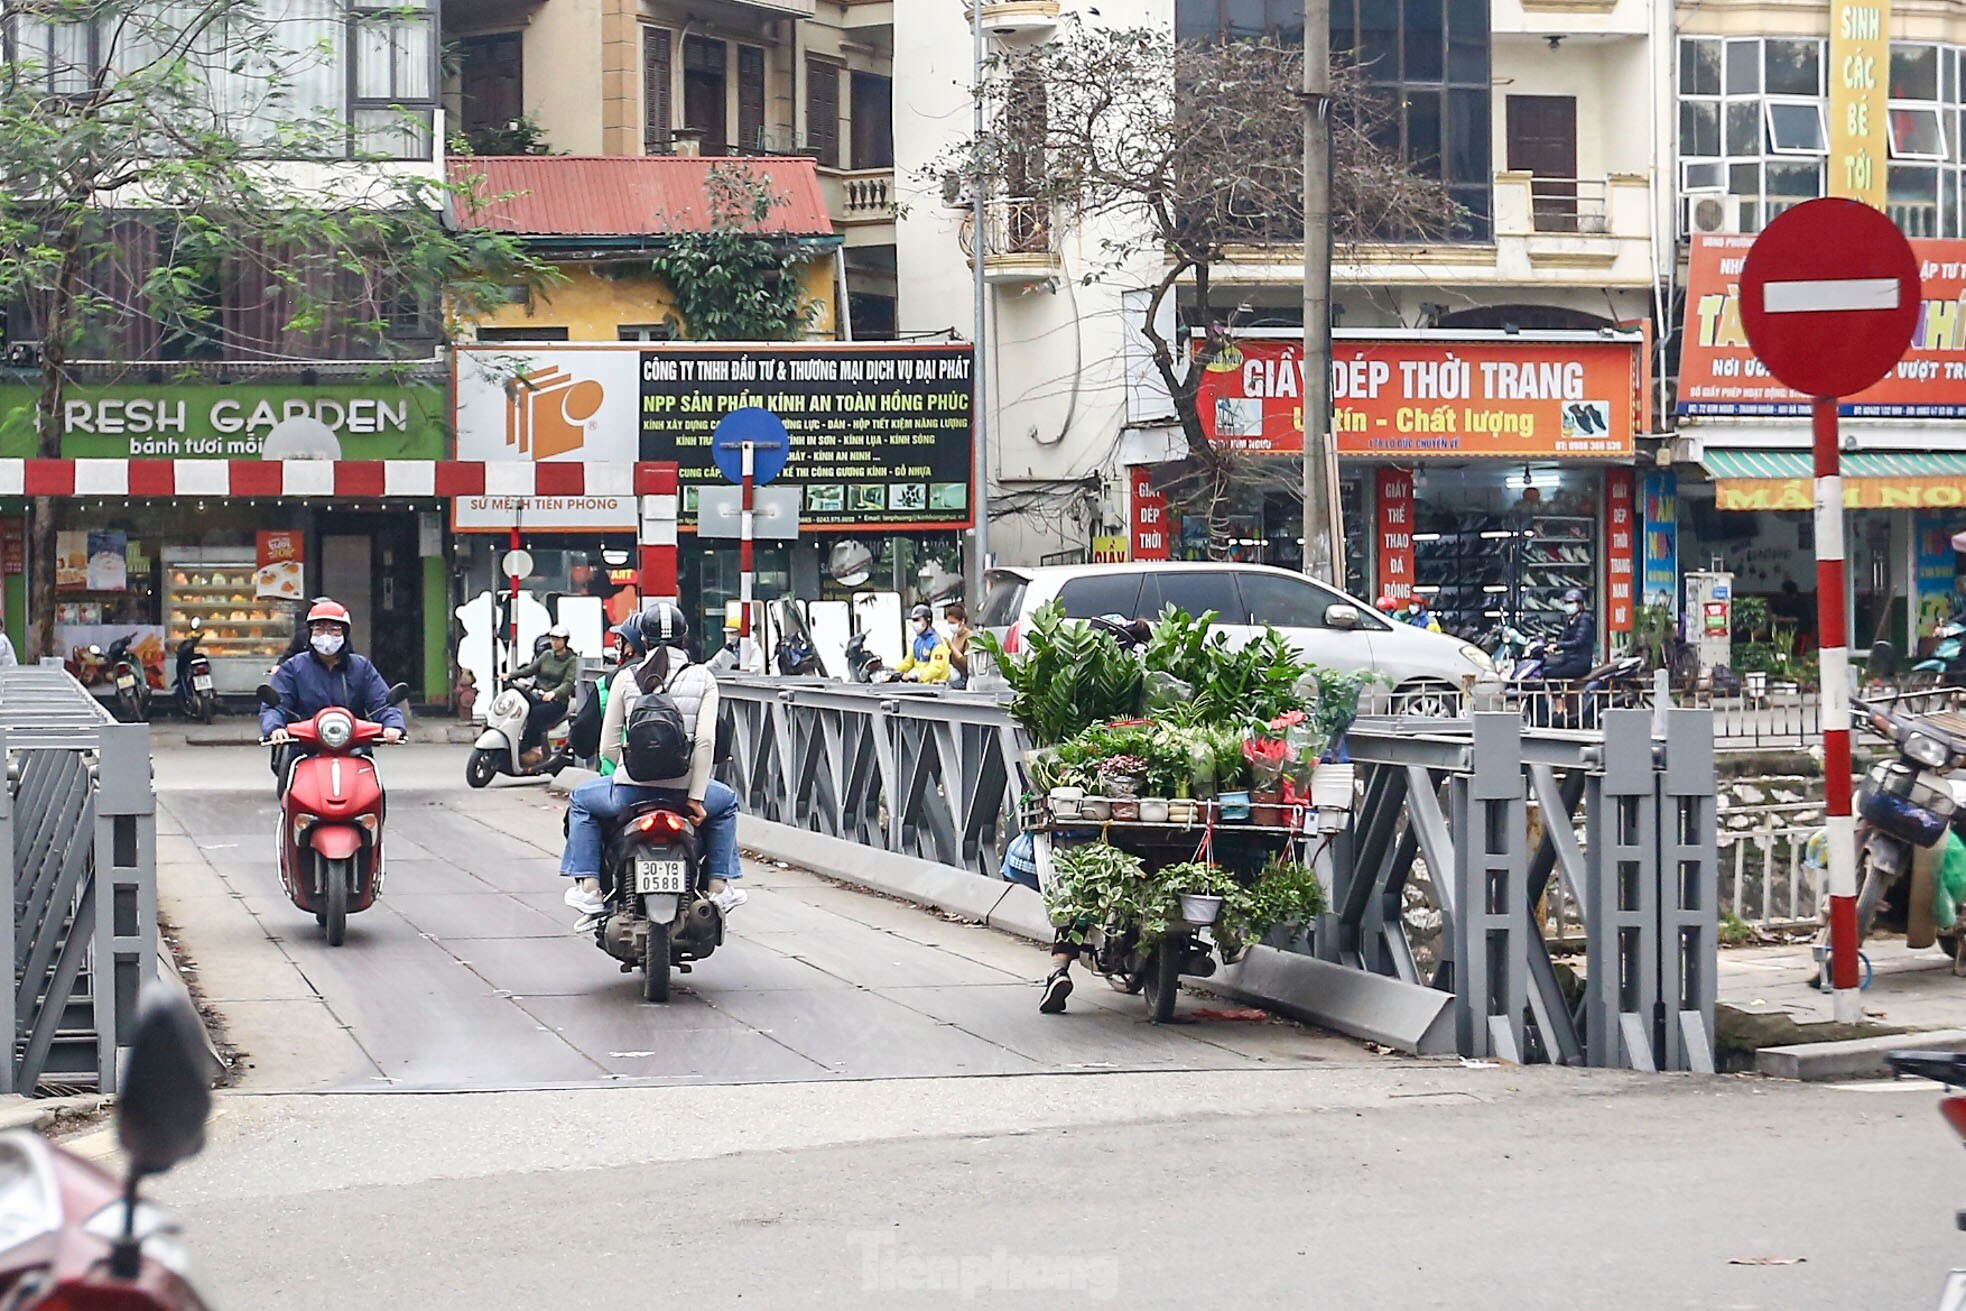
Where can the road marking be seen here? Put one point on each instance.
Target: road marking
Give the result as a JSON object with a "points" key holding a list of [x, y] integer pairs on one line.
{"points": [[1827, 295]]}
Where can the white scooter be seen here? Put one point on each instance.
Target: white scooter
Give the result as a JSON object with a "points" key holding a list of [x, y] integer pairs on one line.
{"points": [[498, 750]]}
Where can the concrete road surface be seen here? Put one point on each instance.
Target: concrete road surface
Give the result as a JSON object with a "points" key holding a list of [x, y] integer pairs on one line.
{"points": [[785, 1133], [466, 976]]}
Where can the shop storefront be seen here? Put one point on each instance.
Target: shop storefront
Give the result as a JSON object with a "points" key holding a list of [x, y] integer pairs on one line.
{"points": [[175, 540], [1485, 473], [874, 495], [1746, 492]]}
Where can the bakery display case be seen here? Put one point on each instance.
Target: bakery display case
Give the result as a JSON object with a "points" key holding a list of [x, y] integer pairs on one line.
{"points": [[246, 633]]}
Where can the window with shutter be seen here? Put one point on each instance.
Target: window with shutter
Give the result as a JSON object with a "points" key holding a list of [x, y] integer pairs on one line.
{"points": [[656, 121], [751, 100], [823, 112]]}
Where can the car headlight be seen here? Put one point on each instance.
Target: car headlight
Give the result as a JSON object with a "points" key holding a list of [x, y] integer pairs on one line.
{"points": [[335, 731], [1477, 657], [1927, 751]]}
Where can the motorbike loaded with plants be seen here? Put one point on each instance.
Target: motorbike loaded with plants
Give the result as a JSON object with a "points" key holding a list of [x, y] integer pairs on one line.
{"points": [[1179, 789]]}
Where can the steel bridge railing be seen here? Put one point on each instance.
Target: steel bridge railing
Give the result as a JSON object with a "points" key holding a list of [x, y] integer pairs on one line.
{"points": [[78, 815], [1444, 817]]}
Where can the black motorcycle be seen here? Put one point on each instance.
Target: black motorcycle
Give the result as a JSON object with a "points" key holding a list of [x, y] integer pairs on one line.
{"points": [[132, 696], [193, 686], [862, 665], [663, 916]]}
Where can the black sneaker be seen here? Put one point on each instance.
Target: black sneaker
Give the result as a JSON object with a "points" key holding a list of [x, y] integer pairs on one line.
{"points": [[1056, 989]]}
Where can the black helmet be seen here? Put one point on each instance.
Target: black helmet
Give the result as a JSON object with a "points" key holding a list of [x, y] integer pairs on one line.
{"points": [[663, 624]]}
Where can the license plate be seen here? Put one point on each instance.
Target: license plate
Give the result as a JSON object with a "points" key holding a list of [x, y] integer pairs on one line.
{"points": [[203, 682], [125, 680], [654, 875]]}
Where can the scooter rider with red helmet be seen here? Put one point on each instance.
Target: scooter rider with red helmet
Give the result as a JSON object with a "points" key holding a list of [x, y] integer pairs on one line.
{"points": [[327, 674]]}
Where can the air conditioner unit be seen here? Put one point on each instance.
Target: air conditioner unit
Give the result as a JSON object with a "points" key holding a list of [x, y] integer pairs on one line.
{"points": [[1712, 211]]}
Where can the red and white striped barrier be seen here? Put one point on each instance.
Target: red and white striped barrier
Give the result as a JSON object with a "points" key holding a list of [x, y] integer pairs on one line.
{"points": [[332, 478]]}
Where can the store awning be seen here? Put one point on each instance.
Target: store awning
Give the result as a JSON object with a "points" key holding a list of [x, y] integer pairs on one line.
{"points": [[1872, 480]]}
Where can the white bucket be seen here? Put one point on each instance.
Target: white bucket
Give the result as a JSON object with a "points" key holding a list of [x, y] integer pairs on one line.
{"points": [[1331, 786], [1198, 908]]}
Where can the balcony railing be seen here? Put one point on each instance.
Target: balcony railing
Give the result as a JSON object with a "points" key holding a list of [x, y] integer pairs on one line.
{"points": [[1020, 241], [1017, 21], [859, 197], [1570, 204]]}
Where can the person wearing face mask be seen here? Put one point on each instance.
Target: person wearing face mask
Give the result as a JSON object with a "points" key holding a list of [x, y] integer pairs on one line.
{"points": [[326, 674], [927, 660], [1576, 646]]}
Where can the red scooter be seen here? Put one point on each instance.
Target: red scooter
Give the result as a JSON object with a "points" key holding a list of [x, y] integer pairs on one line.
{"points": [[331, 811], [72, 1238]]}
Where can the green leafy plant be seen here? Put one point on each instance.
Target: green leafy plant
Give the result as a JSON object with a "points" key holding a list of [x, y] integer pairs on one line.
{"points": [[1068, 677], [1284, 892], [1098, 884], [736, 281]]}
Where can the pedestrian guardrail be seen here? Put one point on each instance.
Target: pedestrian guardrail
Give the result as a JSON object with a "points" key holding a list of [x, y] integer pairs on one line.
{"points": [[79, 815], [1436, 888]]}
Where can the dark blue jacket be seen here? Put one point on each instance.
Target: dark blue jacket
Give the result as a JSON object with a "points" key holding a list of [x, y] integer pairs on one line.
{"points": [[306, 687], [1576, 648]]}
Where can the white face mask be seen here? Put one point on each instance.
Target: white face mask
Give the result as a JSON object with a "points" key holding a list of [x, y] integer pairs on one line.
{"points": [[1570, 607], [327, 643]]}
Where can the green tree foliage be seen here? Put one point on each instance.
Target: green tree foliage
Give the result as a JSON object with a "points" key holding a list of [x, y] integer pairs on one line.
{"points": [[731, 280]]}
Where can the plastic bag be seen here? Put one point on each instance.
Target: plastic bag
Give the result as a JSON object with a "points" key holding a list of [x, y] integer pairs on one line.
{"points": [[1166, 692], [1949, 889]]}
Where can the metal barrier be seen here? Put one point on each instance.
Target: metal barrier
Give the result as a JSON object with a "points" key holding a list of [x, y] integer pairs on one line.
{"points": [[1444, 808], [78, 813]]}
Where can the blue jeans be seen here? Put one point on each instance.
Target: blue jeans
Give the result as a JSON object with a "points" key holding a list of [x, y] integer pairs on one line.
{"points": [[597, 803]]}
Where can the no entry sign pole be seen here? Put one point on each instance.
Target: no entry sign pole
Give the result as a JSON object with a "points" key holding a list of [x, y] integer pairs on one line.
{"points": [[1829, 298], [750, 447], [1834, 643]]}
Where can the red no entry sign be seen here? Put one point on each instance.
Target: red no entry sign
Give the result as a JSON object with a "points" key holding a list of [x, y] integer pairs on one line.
{"points": [[1829, 297]]}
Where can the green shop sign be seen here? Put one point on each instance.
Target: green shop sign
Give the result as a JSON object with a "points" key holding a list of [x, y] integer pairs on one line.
{"points": [[193, 420]]}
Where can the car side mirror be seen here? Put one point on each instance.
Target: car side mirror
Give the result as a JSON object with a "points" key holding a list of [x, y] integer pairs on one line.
{"points": [[399, 694], [1341, 615], [1883, 660], [166, 1093], [267, 696]]}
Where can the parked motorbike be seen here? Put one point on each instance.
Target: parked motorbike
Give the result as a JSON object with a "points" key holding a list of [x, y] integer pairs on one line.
{"points": [[862, 665], [1519, 657], [193, 685], [331, 811], [1904, 810], [663, 915], [132, 684], [74, 1238], [1947, 663], [1949, 1070], [575, 736]]}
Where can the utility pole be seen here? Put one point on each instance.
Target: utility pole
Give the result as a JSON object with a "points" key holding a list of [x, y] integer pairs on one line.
{"points": [[1323, 529], [978, 557]]}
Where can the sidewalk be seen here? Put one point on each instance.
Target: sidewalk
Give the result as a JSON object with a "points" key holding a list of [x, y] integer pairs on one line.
{"points": [[1909, 989], [243, 730]]}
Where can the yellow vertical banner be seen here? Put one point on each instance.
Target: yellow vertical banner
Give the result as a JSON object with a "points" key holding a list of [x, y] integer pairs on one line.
{"points": [[1859, 85]]}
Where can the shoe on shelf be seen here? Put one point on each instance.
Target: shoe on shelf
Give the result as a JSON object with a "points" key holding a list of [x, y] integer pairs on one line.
{"points": [[587, 903]]}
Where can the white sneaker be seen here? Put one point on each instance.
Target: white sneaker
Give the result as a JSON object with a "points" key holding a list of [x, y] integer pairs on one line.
{"points": [[587, 903], [729, 898]]}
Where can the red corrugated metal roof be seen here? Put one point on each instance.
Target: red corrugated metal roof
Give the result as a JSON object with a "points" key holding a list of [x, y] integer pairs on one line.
{"points": [[626, 196]]}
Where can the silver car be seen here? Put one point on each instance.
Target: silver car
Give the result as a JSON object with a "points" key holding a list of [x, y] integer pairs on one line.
{"points": [[1426, 671]]}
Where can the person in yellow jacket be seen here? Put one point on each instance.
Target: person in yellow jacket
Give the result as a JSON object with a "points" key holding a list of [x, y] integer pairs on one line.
{"points": [[927, 660]]}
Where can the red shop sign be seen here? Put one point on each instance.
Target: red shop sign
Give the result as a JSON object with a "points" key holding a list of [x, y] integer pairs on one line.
{"points": [[1149, 514], [1395, 533], [1621, 558]]}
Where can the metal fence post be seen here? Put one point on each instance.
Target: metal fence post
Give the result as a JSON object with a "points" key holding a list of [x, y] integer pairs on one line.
{"points": [[1491, 875], [1621, 923], [1689, 887], [124, 888]]}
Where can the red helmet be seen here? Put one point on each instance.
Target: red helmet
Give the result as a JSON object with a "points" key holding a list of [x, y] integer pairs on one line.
{"points": [[1386, 603], [332, 611]]}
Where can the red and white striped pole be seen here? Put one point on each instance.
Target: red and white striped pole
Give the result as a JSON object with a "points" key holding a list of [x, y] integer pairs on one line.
{"points": [[745, 559], [1831, 598], [513, 602]]}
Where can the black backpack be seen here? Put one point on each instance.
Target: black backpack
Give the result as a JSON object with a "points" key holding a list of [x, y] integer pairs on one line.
{"points": [[655, 743]]}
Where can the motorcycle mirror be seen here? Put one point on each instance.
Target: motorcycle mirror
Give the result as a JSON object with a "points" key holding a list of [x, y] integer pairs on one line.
{"points": [[166, 1093], [267, 696], [399, 694], [1883, 660]]}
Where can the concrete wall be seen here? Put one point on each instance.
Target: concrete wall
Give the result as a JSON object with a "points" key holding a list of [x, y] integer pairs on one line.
{"points": [[593, 306]]}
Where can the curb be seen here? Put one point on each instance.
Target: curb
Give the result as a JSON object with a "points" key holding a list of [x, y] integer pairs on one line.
{"points": [[1854, 1058], [1402, 1016]]}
